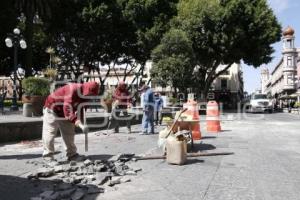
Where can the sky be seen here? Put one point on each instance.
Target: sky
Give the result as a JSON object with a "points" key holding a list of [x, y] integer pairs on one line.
{"points": [[288, 14]]}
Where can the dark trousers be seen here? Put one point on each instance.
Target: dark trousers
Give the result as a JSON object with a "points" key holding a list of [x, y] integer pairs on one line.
{"points": [[116, 118], [157, 117]]}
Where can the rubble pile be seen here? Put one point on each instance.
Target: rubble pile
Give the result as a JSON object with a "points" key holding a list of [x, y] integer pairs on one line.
{"points": [[75, 180]]}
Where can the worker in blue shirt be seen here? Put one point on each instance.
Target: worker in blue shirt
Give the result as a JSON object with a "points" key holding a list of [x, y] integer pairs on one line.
{"points": [[148, 110]]}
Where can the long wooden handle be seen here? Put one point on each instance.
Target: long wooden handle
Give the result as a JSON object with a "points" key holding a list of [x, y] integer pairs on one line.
{"points": [[86, 140], [182, 111], [198, 154]]}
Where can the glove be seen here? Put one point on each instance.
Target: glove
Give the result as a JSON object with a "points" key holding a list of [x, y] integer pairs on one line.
{"points": [[83, 127]]}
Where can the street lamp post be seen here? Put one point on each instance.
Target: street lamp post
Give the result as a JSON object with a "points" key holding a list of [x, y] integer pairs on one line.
{"points": [[14, 40]]}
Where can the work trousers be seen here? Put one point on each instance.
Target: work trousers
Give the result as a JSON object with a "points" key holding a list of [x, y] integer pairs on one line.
{"points": [[116, 118], [158, 117], [51, 123], [148, 121]]}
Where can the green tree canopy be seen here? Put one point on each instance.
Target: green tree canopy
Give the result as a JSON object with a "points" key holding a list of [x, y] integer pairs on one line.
{"points": [[174, 61], [227, 32]]}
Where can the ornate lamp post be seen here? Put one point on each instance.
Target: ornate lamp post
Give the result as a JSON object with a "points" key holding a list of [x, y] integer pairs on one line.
{"points": [[14, 40]]}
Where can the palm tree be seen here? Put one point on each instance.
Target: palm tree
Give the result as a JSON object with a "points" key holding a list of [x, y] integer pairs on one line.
{"points": [[32, 9]]}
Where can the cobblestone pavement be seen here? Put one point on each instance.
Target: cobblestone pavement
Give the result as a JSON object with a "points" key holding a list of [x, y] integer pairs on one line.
{"points": [[265, 164]]}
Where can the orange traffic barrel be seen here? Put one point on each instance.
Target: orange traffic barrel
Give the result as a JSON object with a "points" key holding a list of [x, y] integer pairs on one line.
{"points": [[192, 119], [213, 117]]}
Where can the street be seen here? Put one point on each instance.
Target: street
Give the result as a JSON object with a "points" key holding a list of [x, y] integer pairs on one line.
{"points": [[265, 164]]}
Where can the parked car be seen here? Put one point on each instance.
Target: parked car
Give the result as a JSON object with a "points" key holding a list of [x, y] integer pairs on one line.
{"points": [[260, 103]]}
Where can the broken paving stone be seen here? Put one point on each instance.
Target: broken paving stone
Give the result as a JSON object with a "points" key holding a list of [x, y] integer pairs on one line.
{"points": [[51, 164], [78, 179], [84, 181], [125, 180], [91, 177], [79, 194], [87, 162], [94, 189], [69, 180], [100, 168], [114, 181], [59, 168], [102, 178], [46, 194], [45, 172], [30, 175], [130, 172], [115, 158], [97, 162], [137, 169]]}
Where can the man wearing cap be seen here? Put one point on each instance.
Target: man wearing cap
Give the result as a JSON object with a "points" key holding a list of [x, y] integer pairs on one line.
{"points": [[60, 112], [148, 110], [122, 101]]}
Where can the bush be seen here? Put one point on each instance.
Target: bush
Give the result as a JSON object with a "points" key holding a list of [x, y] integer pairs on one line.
{"points": [[297, 105], [8, 103], [173, 100], [36, 86]]}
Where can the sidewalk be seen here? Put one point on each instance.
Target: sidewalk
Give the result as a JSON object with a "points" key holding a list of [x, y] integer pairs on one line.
{"points": [[265, 164]]}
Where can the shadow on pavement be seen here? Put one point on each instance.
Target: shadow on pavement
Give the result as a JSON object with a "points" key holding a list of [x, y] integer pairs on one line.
{"points": [[100, 157], [193, 161], [225, 131], [208, 137], [19, 188], [203, 147], [20, 157]]}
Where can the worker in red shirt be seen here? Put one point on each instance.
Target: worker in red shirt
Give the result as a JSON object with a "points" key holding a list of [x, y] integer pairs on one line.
{"points": [[122, 101], [61, 111]]}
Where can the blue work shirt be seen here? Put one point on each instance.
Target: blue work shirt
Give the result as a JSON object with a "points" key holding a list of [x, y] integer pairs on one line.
{"points": [[148, 100], [158, 103]]}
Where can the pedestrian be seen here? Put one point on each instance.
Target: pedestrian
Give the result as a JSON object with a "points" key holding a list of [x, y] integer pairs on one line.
{"points": [[158, 108], [61, 111], [122, 102], [148, 110]]}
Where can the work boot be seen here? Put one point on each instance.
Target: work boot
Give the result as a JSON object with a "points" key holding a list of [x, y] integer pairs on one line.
{"points": [[49, 160], [143, 133], [116, 130], [76, 157]]}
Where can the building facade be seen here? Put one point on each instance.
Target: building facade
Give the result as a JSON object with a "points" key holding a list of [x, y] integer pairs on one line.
{"points": [[283, 82], [228, 88]]}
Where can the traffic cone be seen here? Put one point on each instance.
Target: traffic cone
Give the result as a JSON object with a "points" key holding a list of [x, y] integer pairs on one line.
{"points": [[213, 117], [191, 115]]}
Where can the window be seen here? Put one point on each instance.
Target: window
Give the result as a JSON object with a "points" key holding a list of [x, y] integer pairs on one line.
{"points": [[289, 61], [289, 44], [223, 84]]}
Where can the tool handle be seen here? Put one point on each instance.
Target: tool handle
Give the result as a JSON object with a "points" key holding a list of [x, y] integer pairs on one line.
{"points": [[86, 140], [182, 111]]}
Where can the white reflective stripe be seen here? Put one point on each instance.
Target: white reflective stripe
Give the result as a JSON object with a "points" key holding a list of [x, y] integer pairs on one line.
{"points": [[212, 108], [212, 119]]}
